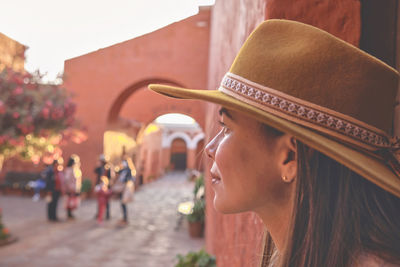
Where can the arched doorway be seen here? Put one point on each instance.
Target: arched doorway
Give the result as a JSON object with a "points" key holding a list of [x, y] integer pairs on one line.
{"points": [[171, 142], [178, 154]]}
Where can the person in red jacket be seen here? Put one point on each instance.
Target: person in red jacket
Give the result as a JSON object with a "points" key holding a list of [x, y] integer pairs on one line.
{"points": [[103, 194]]}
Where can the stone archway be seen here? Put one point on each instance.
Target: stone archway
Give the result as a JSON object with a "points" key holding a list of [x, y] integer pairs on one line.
{"points": [[160, 137], [196, 140], [137, 106], [167, 142], [125, 94]]}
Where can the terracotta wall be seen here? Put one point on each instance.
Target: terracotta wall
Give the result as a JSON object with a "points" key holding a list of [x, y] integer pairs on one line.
{"points": [[151, 156], [236, 239]]}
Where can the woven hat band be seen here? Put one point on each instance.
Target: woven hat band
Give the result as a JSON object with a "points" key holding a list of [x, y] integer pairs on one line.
{"points": [[335, 124]]}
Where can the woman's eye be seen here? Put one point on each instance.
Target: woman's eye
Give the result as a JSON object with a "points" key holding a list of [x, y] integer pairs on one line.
{"points": [[225, 129]]}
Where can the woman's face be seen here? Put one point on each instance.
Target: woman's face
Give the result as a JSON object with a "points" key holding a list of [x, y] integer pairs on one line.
{"points": [[245, 170]]}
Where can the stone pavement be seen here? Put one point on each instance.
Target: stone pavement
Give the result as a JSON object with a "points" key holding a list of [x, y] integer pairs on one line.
{"points": [[150, 240]]}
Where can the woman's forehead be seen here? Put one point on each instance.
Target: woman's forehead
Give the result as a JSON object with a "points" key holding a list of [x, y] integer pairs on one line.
{"points": [[238, 117]]}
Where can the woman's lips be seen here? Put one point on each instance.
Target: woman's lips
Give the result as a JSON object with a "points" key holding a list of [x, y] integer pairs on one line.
{"points": [[215, 179]]}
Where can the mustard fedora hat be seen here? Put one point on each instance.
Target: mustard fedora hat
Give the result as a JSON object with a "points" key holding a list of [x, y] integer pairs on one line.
{"points": [[327, 93]]}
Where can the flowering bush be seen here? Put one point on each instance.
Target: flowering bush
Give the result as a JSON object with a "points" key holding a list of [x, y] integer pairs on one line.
{"points": [[34, 117], [4, 233]]}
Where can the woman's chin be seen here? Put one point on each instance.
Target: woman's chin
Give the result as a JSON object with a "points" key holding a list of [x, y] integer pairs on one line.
{"points": [[224, 207]]}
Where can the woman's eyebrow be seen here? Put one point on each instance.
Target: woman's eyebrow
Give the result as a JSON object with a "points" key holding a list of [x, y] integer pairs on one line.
{"points": [[226, 112]]}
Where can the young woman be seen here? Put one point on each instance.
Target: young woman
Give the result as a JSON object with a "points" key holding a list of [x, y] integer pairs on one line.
{"points": [[305, 143]]}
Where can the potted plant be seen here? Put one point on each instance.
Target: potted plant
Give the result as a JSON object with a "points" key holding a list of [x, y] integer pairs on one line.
{"points": [[196, 218], [86, 188], [5, 236], [198, 190], [199, 259]]}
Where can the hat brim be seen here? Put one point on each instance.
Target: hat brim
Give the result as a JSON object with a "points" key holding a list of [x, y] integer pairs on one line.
{"points": [[362, 163]]}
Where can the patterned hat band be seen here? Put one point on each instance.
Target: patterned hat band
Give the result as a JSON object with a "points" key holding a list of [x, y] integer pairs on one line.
{"points": [[307, 114]]}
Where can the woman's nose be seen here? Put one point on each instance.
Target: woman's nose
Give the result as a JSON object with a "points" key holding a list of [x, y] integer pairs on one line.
{"points": [[211, 147]]}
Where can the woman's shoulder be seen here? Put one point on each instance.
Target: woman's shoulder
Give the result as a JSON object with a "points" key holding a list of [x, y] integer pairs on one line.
{"points": [[369, 260]]}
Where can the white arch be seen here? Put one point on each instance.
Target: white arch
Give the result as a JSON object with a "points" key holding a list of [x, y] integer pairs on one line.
{"points": [[195, 140], [167, 142]]}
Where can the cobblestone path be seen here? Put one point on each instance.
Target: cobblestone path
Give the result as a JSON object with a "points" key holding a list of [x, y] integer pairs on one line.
{"points": [[150, 239]]}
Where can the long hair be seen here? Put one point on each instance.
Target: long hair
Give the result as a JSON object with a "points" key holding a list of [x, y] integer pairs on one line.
{"points": [[71, 162], [338, 216]]}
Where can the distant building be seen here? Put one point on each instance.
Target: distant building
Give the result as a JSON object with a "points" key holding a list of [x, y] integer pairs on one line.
{"points": [[168, 147], [12, 54]]}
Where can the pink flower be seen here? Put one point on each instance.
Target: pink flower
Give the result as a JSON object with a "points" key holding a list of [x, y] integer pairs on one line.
{"points": [[17, 79], [45, 113], [29, 119], [35, 159], [31, 128], [2, 107], [32, 86], [13, 142], [15, 115], [24, 128], [18, 91]]}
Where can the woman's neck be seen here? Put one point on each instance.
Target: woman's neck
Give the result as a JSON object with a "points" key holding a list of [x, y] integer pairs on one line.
{"points": [[277, 221]]}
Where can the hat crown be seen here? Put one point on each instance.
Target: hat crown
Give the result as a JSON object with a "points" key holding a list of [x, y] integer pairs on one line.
{"points": [[309, 64]]}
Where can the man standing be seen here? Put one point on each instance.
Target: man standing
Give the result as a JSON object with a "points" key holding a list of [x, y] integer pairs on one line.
{"points": [[50, 175], [104, 169]]}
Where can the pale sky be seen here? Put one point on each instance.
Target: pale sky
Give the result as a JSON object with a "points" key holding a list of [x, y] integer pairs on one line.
{"points": [[58, 30], [173, 118]]}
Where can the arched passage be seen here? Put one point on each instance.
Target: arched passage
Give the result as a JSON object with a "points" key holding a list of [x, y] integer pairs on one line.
{"points": [[167, 142], [178, 154], [172, 139], [125, 94], [142, 106], [195, 141], [135, 108]]}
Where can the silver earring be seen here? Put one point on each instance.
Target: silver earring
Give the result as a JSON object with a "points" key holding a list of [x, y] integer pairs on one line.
{"points": [[285, 179]]}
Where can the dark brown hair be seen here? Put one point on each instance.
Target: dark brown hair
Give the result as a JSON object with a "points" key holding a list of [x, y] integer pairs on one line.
{"points": [[338, 216]]}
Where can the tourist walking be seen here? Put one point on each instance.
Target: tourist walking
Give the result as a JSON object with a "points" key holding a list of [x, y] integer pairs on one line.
{"points": [[124, 187], [73, 183], [104, 169], [53, 187], [103, 193]]}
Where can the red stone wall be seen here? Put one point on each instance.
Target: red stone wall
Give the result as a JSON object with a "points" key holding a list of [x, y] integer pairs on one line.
{"points": [[236, 240], [151, 156], [340, 18]]}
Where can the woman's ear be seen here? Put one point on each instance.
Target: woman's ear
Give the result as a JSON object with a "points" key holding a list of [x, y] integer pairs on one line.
{"points": [[288, 158]]}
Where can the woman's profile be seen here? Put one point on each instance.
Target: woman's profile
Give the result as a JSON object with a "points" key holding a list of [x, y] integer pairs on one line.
{"points": [[306, 143]]}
